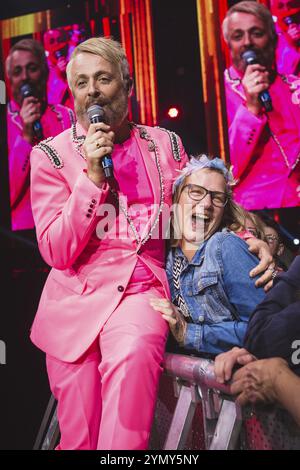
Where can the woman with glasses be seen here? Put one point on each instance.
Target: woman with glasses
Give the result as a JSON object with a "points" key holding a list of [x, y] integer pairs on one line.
{"points": [[208, 266]]}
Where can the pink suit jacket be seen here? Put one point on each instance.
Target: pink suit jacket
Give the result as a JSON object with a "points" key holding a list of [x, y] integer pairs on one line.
{"points": [[264, 181], [89, 275], [54, 120]]}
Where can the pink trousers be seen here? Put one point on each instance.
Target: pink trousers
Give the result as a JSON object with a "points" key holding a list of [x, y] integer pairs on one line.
{"points": [[106, 399]]}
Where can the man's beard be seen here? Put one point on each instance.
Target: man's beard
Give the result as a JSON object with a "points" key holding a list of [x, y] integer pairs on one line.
{"points": [[38, 91], [265, 57], [115, 111]]}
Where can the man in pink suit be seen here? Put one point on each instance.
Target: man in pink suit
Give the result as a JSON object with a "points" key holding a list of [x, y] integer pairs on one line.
{"points": [[264, 146], [104, 342], [26, 65]]}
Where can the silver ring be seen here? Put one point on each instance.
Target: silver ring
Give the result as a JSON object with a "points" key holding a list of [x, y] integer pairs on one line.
{"points": [[274, 274]]}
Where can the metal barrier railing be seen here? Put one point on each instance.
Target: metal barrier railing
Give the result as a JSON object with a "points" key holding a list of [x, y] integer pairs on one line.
{"points": [[224, 426], [195, 383]]}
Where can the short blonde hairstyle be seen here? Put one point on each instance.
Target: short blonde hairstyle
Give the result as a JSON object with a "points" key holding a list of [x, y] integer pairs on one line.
{"points": [[108, 49]]}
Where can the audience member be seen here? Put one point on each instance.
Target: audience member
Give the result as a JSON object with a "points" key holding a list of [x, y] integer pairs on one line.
{"points": [[208, 266]]}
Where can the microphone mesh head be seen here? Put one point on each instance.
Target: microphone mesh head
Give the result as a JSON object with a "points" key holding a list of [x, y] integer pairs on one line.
{"points": [[26, 90], [95, 111], [249, 57]]}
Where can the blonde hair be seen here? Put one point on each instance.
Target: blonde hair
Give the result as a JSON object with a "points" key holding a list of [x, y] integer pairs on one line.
{"points": [[108, 49]]}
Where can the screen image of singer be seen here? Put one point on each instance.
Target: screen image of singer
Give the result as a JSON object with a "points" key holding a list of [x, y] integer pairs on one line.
{"points": [[39, 104], [35, 51], [263, 111]]}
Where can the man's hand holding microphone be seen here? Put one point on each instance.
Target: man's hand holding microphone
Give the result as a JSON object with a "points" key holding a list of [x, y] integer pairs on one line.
{"points": [[256, 82], [98, 147]]}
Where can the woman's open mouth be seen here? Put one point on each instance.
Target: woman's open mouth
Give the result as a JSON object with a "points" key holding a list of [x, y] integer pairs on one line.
{"points": [[199, 222]]}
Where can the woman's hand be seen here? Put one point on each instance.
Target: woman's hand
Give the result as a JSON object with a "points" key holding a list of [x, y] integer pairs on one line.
{"points": [[172, 315]]}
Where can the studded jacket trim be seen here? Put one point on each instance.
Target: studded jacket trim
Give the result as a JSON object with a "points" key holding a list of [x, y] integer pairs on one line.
{"points": [[174, 143], [51, 153]]}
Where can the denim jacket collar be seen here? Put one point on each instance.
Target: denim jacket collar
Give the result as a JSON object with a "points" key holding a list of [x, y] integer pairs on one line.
{"points": [[197, 258]]}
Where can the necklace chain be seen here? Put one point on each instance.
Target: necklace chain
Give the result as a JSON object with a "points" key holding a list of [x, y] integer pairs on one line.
{"points": [[290, 167], [152, 147]]}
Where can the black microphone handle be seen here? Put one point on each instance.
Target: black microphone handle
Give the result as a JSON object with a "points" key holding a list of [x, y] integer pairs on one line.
{"points": [[264, 96], [38, 130], [26, 91], [106, 161]]}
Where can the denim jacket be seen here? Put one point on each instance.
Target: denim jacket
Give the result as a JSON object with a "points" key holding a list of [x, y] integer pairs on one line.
{"points": [[218, 292]]}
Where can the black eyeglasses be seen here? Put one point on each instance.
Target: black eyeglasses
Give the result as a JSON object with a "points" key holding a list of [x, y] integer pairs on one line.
{"points": [[272, 238], [197, 193]]}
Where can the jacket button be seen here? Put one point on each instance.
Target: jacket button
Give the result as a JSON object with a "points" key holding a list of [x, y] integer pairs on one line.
{"points": [[94, 201], [88, 215], [201, 318], [120, 288]]}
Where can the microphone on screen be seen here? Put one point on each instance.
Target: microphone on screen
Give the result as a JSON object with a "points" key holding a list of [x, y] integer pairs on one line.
{"points": [[250, 58], [26, 90]]}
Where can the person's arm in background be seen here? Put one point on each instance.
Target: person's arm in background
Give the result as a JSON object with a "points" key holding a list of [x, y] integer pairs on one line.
{"points": [[275, 323], [273, 329], [268, 381], [20, 143], [262, 250]]}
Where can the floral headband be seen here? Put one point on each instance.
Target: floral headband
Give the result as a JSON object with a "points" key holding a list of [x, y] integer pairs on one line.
{"points": [[201, 162]]}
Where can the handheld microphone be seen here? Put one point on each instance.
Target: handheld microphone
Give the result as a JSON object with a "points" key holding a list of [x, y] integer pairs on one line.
{"points": [[26, 90], [59, 54], [250, 58], [95, 114], [288, 21]]}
